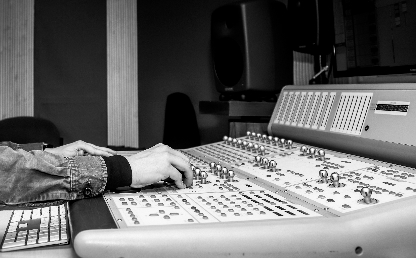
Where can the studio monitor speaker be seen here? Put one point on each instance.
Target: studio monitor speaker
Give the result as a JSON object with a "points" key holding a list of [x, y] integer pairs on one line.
{"points": [[312, 25], [251, 50]]}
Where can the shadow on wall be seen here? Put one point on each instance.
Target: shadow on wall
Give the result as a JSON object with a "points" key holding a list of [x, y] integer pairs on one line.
{"points": [[181, 127]]}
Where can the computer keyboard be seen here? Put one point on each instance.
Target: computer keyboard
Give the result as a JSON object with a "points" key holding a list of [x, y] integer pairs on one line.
{"points": [[36, 227]]}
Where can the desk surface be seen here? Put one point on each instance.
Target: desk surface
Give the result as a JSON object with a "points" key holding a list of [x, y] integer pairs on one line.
{"points": [[237, 108], [61, 251]]}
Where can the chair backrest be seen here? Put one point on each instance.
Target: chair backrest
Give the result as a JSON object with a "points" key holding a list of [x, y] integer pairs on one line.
{"points": [[27, 129], [181, 128]]}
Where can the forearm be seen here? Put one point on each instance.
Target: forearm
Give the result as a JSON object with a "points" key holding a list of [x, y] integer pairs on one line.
{"points": [[40, 176]]}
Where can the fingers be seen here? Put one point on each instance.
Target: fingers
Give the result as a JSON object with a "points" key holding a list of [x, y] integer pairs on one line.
{"points": [[182, 173], [94, 150], [165, 148]]}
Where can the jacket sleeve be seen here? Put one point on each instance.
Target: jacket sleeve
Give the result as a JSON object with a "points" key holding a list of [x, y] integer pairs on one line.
{"points": [[38, 176]]}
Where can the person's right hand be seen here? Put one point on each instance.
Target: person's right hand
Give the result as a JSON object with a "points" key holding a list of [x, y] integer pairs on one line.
{"points": [[159, 163]]}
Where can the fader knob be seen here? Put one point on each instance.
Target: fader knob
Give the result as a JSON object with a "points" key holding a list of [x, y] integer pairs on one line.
{"points": [[204, 176], [231, 175]]}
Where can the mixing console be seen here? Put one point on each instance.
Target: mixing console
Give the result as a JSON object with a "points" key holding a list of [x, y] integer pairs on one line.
{"points": [[321, 184]]}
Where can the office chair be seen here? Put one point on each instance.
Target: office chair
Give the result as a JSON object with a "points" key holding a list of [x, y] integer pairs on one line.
{"points": [[27, 129], [181, 128]]}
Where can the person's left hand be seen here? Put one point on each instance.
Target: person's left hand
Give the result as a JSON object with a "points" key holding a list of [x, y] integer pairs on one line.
{"points": [[80, 148]]}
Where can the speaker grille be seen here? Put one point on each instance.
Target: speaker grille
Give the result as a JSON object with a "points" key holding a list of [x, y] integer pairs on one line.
{"points": [[312, 110], [351, 113]]}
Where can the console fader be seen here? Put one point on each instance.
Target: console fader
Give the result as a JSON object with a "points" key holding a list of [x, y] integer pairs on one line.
{"points": [[322, 183]]}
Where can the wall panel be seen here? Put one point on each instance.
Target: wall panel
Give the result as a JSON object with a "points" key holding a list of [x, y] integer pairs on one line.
{"points": [[16, 58]]}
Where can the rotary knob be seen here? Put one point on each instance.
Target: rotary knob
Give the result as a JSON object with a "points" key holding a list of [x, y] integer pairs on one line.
{"points": [[239, 143], [231, 175], [282, 142], [321, 154], [250, 146], [248, 134], [212, 166], [366, 193], [259, 136], [289, 144], [245, 143], [275, 141], [224, 173], [258, 160], [312, 152], [197, 173], [272, 166], [218, 168], [225, 139], [323, 174], [335, 181], [204, 176], [265, 163], [262, 150], [304, 150], [255, 147]]}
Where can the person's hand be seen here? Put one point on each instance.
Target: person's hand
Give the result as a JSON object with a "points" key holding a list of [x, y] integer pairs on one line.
{"points": [[159, 163], [80, 148]]}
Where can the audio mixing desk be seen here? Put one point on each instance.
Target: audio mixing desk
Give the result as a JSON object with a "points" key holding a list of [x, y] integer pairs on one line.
{"points": [[334, 177]]}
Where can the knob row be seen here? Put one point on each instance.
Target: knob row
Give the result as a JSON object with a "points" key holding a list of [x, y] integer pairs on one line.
{"points": [[249, 146], [313, 152], [281, 142]]}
